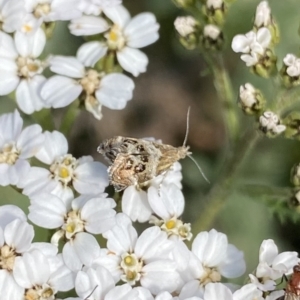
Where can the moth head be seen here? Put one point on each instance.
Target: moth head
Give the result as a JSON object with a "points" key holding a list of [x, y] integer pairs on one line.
{"points": [[107, 150]]}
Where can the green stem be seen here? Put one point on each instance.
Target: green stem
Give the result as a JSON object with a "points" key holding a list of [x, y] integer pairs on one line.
{"points": [[44, 118], [225, 92], [219, 193], [69, 118]]}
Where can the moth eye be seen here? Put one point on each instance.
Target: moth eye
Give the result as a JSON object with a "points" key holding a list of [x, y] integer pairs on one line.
{"points": [[140, 168], [140, 148], [144, 158]]}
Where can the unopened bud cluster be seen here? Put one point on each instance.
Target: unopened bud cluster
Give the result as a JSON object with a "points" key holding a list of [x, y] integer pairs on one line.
{"points": [[257, 46], [206, 31]]}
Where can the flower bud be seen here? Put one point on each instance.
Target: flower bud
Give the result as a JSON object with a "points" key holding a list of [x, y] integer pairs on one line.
{"points": [[251, 100], [292, 122], [295, 177], [212, 37], [290, 71], [215, 11], [256, 50], [188, 30], [185, 3], [269, 123], [263, 18]]}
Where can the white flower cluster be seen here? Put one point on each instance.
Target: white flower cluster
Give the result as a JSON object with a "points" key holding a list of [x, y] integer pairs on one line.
{"points": [[254, 44], [270, 122], [292, 63], [68, 198], [21, 67]]}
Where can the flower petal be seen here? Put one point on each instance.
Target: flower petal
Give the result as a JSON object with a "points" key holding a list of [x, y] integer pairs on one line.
{"points": [[142, 30], [60, 91], [89, 53], [115, 90]]}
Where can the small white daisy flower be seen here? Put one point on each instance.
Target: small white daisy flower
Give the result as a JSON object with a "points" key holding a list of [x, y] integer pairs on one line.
{"points": [[11, 14], [252, 44], [292, 63], [16, 237], [65, 172], [88, 213], [20, 70], [16, 146], [135, 202], [53, 10], [124, 37], [95, 7], [273, 265], [212, 258], [42, 277], [168, 204], [143, 260], [96, 89], [270, 122]]}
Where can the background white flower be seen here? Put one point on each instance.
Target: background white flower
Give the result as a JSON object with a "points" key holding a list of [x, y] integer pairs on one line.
{"points": [[65, 172], [16, 146], [96, 89], [124, 37], [20, 70], [293, 65], [253, 44]]}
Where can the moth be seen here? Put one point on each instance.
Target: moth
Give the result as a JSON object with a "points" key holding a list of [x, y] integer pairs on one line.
{"points": [[137, 161], [292, 291]]}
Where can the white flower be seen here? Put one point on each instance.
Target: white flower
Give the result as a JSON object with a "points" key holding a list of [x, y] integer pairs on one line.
{"points": [[185, 25], [124, 37], [263, 15], [215, 4], [20, 69], [168, 204], [212, 258], [247, 95], [218, 291], [11, 15], [211, 31], [15, 239], [16, 146], [65, 171], [90, 213], [97, 89], [42, 275], [253, 44], [143, 260], [95, 7], [293, 65], [53, 10], [270, 122], [135, 202], [273, 265]]}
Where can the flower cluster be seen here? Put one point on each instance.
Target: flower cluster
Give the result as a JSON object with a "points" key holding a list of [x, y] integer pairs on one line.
{"points": [[68, 198], [94, 248], [94, 75], [257, 47], [193, 31], [257, 44]]}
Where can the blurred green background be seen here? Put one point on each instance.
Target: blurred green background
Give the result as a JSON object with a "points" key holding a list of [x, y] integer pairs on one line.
{"points": [[172, 83]]}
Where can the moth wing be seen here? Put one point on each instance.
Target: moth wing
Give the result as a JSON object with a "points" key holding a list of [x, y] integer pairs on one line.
{"points": [[289, 296]]}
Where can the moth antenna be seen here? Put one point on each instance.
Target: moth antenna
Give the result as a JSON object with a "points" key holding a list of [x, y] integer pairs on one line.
{"points": [[187, 127], [199, 168]]}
